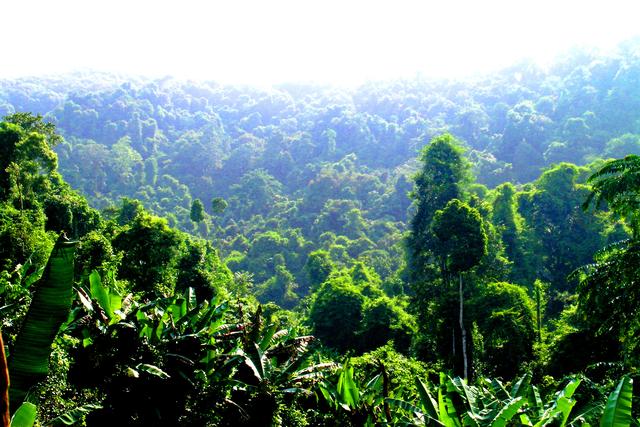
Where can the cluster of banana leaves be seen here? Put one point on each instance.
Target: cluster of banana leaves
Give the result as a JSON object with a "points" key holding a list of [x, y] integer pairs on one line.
{"points": [[28, 362], [250, 356], [454, 403]]}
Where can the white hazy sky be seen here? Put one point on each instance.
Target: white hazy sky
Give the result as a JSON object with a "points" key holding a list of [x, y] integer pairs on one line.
{"points": [[265, 42]]}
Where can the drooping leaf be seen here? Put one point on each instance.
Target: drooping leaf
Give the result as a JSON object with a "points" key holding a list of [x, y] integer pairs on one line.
{"points": [[49, 309], [313, 371], [470, 394], [535, 402], [115, 302], [565, 406], [559, 411], [403, 405], [178, 309], [268, 335], [73, 416], [257, 357], [429, 404], [152, 370], [498, 389]]}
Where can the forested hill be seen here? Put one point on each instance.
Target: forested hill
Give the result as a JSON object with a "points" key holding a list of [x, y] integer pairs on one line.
{"points": [[299, 168], [208, 136], [325, 249]]}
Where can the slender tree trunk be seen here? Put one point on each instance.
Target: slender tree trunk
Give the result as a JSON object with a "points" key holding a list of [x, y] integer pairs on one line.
{"points": [[453, 341], [462, 330], [538, 312], [453, 332]]}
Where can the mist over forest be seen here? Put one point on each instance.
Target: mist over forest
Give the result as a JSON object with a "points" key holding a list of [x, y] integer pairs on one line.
{"points": [[423, 251]]}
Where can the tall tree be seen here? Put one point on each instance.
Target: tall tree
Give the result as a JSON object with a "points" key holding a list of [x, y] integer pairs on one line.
{"points": [[317, 268], [336, 312], [461, 244], [441, 179]]}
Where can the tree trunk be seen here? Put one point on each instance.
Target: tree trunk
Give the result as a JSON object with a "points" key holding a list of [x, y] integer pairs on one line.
{"points": [[538, 312], [453, 342], [462, 330]]}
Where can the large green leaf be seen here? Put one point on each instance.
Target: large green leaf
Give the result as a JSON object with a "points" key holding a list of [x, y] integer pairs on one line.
{"points": [[25, 416], [108, 301], [347, 388], [521, 386], [29, 360], [448, 415], [429, 404], [565, 403], [470, 394], [617, 413], [507, 412], [535, 402]]}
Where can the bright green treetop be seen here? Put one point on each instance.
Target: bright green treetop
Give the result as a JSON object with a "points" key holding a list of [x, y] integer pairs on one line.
{"points": [[441, 179], [461, 239]]}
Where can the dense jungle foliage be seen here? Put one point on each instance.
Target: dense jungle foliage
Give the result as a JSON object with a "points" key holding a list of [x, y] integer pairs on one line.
{"points": [[402, 253]]}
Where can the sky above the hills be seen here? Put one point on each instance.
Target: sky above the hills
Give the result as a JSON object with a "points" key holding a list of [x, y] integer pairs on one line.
{"points": [[264, 42]]}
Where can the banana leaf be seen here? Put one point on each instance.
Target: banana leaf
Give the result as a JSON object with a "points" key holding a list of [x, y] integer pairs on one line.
{"points": [[347, 387], [74, 416], [25, 416], [29, 360], [617, 413]]}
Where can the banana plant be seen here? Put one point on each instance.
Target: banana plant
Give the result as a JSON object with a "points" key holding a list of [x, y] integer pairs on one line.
{"points": [[161, 322], [273, 364], [169, 351], [50, 306], [490, 403], [363, 402], [558, 410], [460, 404]]}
